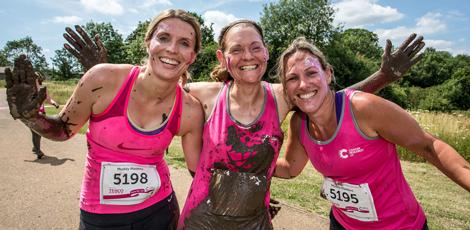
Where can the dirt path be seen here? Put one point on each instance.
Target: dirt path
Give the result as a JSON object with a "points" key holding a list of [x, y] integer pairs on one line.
{"points": [[44, 194]]}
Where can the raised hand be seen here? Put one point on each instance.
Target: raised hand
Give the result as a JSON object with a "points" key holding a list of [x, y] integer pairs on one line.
{"points": [[395, 65], [87, 52], [23, 96]]}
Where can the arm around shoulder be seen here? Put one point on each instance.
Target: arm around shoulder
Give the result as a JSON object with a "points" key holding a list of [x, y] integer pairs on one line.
{"points": [[295, 158]]}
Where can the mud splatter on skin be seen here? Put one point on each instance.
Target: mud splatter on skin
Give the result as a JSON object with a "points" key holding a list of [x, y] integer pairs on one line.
{"points": [[95, 89], [205, 106], [164, 117]]}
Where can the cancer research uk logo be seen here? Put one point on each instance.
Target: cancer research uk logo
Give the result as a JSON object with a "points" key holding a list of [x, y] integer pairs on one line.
{"points": [[345, 153]]}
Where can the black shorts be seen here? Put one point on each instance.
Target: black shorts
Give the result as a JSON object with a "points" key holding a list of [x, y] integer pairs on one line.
{"points": [[335, 225], [162, 215]]}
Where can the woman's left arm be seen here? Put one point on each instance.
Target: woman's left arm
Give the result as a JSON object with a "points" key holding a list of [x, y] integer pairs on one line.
{"points": [[192, 121], [377, 116], [394, 65]]}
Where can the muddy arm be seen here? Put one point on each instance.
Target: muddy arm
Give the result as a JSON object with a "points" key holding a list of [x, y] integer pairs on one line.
{"points": [[394, 65]]}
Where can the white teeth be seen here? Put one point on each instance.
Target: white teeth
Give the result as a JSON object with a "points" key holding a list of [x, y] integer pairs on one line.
{"points": [[249, 67], [308, 95], [169, 61]]}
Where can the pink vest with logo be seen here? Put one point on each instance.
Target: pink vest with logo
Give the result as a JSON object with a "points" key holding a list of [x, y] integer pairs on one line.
{"points": [[349, 156], [235, 146], [111, 138]]}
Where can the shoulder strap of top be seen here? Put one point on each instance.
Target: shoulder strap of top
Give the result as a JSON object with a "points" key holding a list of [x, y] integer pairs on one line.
{"points": [[116, 107], [175, 117]]}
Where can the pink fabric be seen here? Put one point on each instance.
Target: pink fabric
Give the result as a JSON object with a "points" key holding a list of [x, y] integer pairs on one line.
{"points": [[219, 149], [374, 161], [112, 139]]}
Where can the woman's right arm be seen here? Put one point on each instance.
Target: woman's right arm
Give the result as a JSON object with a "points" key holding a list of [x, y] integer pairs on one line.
{"points": [[24, 101], [295, 158]]}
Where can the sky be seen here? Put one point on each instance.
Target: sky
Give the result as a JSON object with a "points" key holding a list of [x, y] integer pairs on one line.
{"points": [[445, 24]]}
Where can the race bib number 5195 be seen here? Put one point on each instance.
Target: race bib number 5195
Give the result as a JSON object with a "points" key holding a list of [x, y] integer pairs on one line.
{"points": [[127, 183], [355, 201]]}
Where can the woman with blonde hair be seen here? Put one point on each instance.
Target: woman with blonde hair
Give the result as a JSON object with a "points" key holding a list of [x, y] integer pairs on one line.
{"points": [[133, 112], [350, 137]]}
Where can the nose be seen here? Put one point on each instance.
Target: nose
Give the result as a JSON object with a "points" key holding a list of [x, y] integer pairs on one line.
{"points": [[247, 55], [302, 82], [172, 47]]}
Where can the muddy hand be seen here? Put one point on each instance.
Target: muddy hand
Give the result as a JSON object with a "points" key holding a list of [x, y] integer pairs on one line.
{"points": [[87, 52], [24, 98], [274, 207], [396, 64]]}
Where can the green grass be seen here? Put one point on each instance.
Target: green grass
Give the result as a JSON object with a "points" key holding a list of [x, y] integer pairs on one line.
{"points": [[2, 83], [446, 205]]}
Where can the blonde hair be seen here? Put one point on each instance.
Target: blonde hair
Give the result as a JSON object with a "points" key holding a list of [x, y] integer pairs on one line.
{"points": [[220, 73], [183, 16], [299, 44]]}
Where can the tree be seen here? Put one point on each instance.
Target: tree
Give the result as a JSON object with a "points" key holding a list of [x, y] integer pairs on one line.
{"points": [[456, 89], [206, 59], [135, 46], [111, 39], [435, 68], [3, 59], [362, 42], [66, 65], [285, 20], [14, 48]]}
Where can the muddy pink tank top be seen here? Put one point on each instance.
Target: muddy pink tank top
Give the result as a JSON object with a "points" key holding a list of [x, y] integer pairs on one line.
{"points": [[228, 144], [125, 170], [363, 176]]}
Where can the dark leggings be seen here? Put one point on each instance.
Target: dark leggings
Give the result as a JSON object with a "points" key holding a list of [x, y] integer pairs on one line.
{"points": [[162, 215], [335, 225], [36, 141]]}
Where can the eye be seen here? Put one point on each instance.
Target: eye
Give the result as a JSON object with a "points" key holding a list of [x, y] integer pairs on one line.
{"points": [[311, 73], [257, 48], [163, 38], [185, 43], [291, 78]]}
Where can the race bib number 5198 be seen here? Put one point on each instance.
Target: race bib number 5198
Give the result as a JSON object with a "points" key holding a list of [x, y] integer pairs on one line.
{"points": [[355, 201], [127, 183]]}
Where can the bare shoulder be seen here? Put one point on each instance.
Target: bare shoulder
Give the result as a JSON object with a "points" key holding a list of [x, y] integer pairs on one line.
{"points": [[192, 115], [107, 73], [204, 91], [282, 102]]}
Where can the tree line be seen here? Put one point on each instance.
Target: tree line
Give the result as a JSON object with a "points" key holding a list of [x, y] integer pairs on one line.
{"points": [[439, 81]]}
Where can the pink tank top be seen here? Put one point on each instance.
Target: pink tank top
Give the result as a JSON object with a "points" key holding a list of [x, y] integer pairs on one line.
{"points": [[125, 170], [237, 147], [351, 157]]}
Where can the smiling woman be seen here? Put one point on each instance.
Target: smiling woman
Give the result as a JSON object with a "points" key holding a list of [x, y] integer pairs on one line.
{"points": [[350, 137], [133, 113]]}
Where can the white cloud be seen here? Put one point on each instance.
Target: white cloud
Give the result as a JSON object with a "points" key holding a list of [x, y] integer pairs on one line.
{"points": [[67, 19], [219, 18], [110, 7], [430, 23], [150, 3], [357, 13]]}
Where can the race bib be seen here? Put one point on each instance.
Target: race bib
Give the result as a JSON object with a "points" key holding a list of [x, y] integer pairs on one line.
{"points": [[355, 201], [127, 183]]}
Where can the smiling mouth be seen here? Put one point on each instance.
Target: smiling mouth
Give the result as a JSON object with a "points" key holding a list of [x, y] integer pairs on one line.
{"points": [[307, 95], [169, 61], [249, 67]]}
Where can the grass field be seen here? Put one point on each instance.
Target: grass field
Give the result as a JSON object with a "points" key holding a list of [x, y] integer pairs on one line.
{"points": [[446, 205]]}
